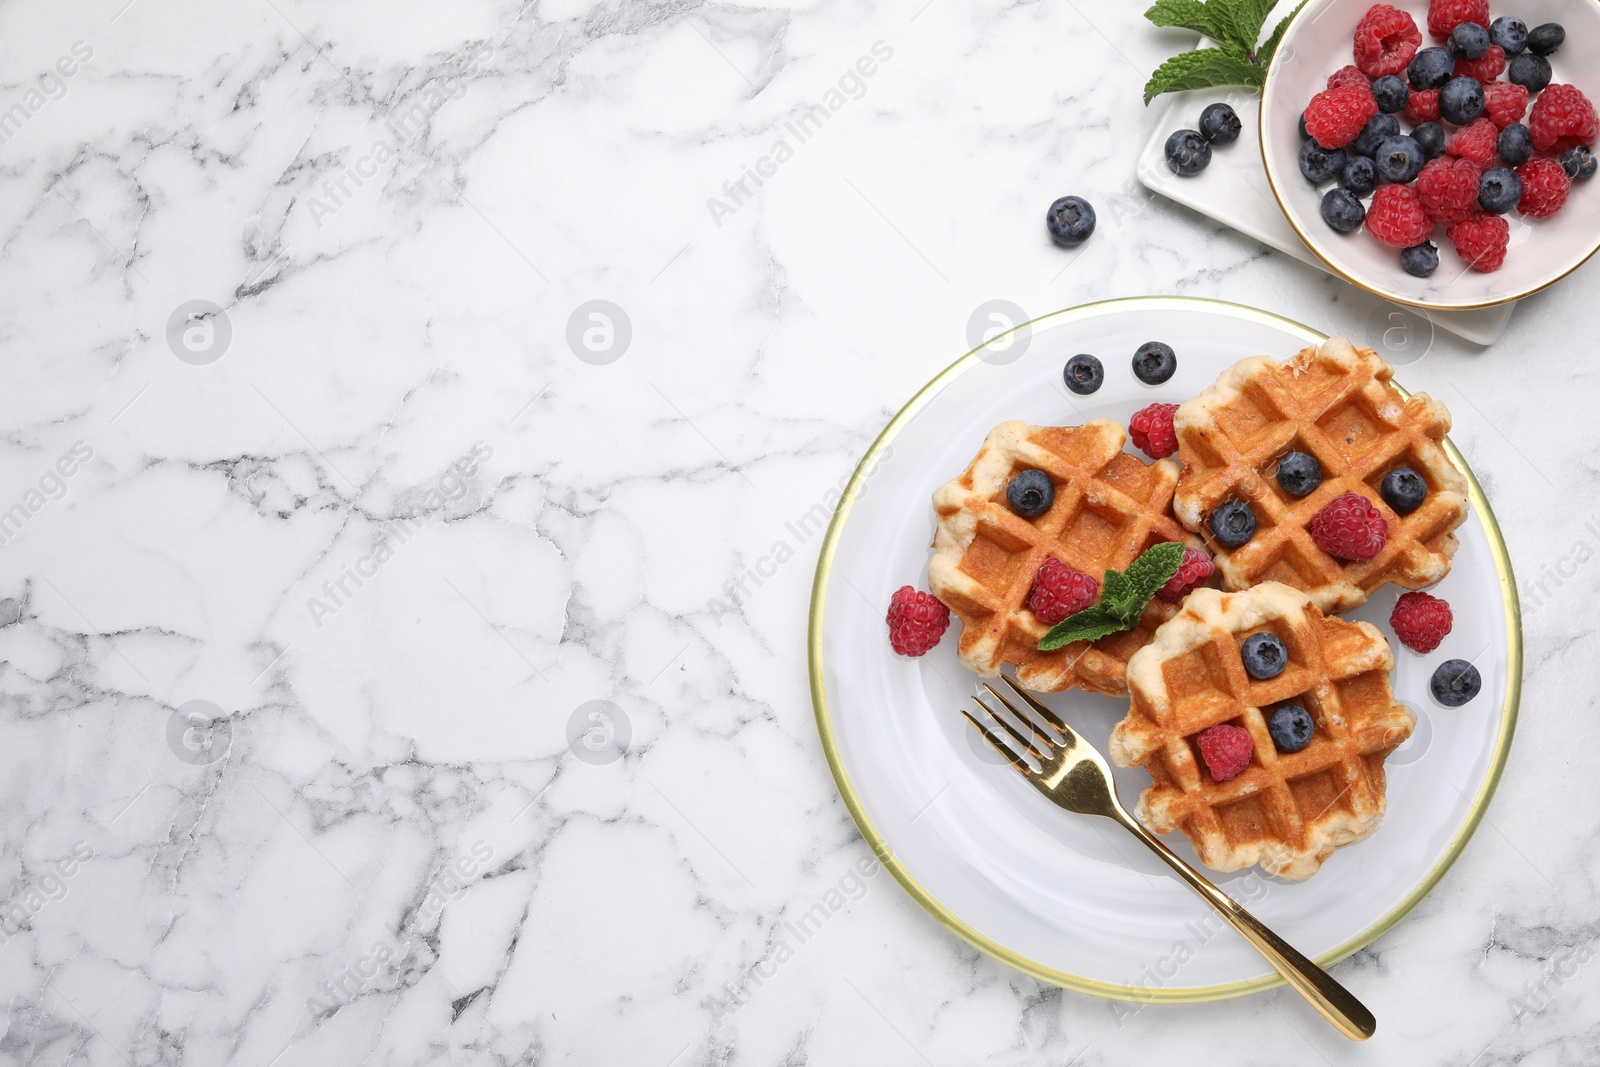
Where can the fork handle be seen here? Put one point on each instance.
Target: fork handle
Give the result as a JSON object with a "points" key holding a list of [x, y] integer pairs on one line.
{"points": [[1336, 1003]]}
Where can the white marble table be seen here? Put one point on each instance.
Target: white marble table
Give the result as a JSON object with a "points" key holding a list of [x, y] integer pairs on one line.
{"points": [[377, 514]]}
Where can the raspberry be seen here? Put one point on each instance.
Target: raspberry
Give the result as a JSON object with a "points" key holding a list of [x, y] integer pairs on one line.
{"points": [[1448, 188], [1386, 39], [1486, 68], [1544, 187], [1477, 142], [916, 621], [1562, 118], [1226, 750], [1481, 240], [1347, 75], [1396, 217], [1195, 568], [1446, 15], [1059, 591], [1350, 528], [1152, 432], [1422, 106], [1504, 102], [1335, 116], [1420, 621]]}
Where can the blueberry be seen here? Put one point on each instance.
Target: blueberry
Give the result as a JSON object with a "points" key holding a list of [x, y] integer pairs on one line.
{"points": [[1515, 145], [1399, 159], [1154, 363], [1188, 153], [1430, 135], [1304, 133], [1468, 41], [1291, 728], [1031, 493], [1542, 40], [1319, 164], [1233, 523], [1342, 211], [1359, 176], [1264, 655], [1083, 374], [1421, 260], [1430, 68], [1404, 490], [1391, 92], [1530, 71], [1499, 190], [1455, 682], [1071, 221], [1379, 128], [1578, 162], [1461, 99], [1219, 124], [1299, 473], [1510, 33]]}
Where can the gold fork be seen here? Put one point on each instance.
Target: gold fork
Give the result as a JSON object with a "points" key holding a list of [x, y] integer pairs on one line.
{"points": [[1075, 776]]}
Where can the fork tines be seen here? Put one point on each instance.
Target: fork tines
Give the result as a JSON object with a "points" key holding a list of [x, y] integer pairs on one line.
{"points": [[1042, 745]]}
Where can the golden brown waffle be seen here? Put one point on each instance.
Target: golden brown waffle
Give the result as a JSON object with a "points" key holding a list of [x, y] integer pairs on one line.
{"points": [[1287, 812], [1336, 403], [1109, 507]]}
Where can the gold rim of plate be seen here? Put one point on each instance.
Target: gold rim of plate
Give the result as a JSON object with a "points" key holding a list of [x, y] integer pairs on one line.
{"points": [[1372, 287], [819, 697]]}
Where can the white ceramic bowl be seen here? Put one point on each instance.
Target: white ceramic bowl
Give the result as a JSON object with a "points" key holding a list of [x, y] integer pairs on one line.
{"points": [[1542, 251]]}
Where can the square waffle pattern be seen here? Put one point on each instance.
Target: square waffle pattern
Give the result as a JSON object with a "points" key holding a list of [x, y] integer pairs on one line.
{"points": [[1285, 811], [1109, 507], [1336, 403]]}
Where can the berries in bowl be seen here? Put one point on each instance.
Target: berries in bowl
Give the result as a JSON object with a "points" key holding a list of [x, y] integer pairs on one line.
{"points": [[1438, 152]]}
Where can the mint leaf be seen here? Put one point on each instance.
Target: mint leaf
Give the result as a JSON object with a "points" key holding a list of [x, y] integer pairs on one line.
{"points": [[1152, 569], [1267, 51], [1189, 15], [1090, 624], [1248, 18], [1203, 68], [1116, 590]]}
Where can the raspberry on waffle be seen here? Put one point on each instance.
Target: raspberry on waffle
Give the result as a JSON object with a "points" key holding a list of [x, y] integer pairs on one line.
{"points": [[1286, 811], [1336, 403], [1109, 507]]}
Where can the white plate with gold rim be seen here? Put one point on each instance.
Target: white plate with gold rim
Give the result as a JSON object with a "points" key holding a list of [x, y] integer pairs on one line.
{"points": [[1068, 899]]}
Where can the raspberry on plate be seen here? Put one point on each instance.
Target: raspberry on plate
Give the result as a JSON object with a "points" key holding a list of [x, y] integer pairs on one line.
{"points": [[1347, 75], [1226, 750], [1481, 240], [1350, 528], [1422, 106], [1562, 118], [1446, 15], [1152, 432], [1060, 592], [1504, 103], [1420, 621], [1476, 142], [1448, 188], [1335, 116], [1386, 39], [1195, 568], [1396, 217], [1486, 68], [916, 621], [1544, 187]]}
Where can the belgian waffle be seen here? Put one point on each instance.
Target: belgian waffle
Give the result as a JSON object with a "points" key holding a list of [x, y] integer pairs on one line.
{"points": [[1287, 812], [1337, 403], [1109, 507]]}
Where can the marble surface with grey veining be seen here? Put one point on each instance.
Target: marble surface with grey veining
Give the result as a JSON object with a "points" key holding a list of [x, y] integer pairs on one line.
{"points": [[397, 400]]}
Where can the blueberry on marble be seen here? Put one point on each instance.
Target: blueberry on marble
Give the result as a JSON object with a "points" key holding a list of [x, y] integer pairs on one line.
{"points": [[1403, 490], [1188, 153], [1399, 159], [1378, 129], [1530, 71], [1030, 493], [1154, 362], [1291, 728], [1342, 211], [1515, 145], [1577, 161], [1461, 99], [1320, 164], [1468, 41], [1455, 682], [1510, 33], [1420, 261], [1545, 39], [1431, 136], [1360, 176], [1219, 124], [1392, 93], [1264, 656], [1071, 221], [1499, 190], [1233, 523], [1430, 69], [1083, 374], [1299, 474]]}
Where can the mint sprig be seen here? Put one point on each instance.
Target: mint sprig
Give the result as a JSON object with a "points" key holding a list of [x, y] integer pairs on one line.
{"points": [[1123, 597], [1236, 60]]}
